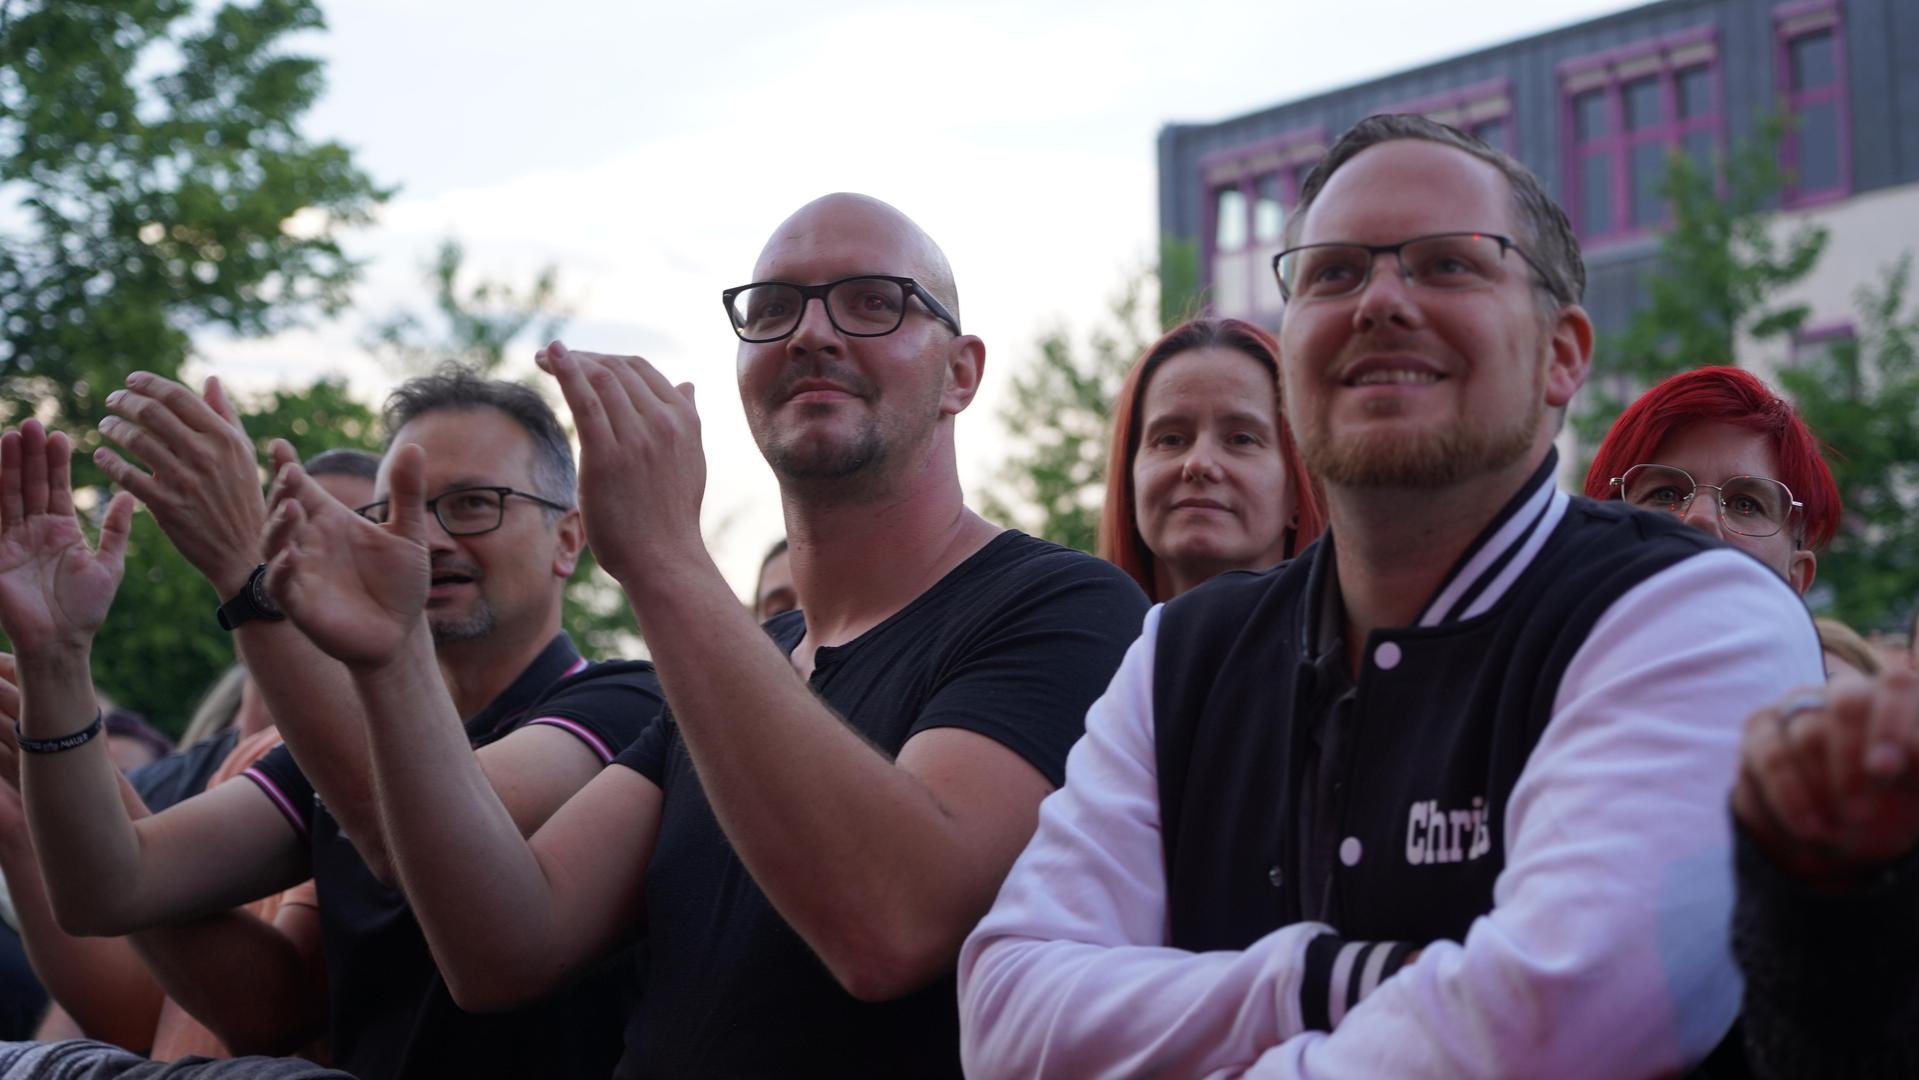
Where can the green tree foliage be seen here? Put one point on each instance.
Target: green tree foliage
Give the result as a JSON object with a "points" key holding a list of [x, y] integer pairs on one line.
{"points": [[477, 325], [1862, 398], [1059, 417], [162, 185], [156, 184], [1717, 276]]}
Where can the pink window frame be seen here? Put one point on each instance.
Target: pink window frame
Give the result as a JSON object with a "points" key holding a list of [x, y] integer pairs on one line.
{"points": [[1618, 142], [1247, 183], [1791, 103]]}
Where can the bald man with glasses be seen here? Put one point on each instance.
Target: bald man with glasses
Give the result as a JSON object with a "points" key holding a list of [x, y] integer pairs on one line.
{"points": [[830, 802]]}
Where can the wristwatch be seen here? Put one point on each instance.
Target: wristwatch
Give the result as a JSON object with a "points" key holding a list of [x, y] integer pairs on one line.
{"points": [[251, 603]]}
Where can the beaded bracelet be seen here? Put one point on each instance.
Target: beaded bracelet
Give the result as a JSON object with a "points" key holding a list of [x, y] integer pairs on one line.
{"points": [[64, 742]]}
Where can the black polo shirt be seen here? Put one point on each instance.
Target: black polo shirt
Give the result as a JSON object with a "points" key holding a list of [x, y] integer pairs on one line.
{"points": [[391, 1014], [1015, 643]]}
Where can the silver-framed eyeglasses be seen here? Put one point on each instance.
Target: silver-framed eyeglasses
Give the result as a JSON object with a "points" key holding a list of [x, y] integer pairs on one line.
{"points": [[1448, 262], [467, 511], [870, 305], [1748, 505]]}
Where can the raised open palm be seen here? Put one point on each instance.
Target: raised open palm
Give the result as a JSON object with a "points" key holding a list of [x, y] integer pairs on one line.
{"points": [[355, 588], [54, 589]]}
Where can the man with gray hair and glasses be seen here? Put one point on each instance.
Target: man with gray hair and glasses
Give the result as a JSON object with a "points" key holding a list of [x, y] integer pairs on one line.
{"points": [[1445, 795]]}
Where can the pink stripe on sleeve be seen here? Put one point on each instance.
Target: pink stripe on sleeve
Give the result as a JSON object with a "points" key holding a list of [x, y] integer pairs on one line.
{"points": [[279, 799], [580, 731]]}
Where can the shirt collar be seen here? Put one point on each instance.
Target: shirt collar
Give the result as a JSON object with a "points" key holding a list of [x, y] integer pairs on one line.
{"points": [[1482, 575], [557, 661]]}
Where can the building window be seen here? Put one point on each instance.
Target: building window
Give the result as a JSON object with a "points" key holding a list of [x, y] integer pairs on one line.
{"points": [[1810, 67], [1253, 189], [1627, 113]]}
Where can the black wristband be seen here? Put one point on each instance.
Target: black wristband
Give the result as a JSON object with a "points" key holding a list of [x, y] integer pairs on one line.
{"points": [[65, 742]]}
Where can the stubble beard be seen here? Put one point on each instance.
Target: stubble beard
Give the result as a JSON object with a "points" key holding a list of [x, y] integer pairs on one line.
{"points": [[1422, 459], [469, 626], [853, 466]]}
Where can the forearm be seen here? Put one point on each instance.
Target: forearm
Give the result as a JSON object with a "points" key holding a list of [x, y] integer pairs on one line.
{"points": [[312, 699], [242, 977], [855, 852], [91, 857], [99, 981], [462, 860], [1070, 973]]}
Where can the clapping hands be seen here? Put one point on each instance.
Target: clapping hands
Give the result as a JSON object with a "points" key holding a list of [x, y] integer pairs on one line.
{"points": [[355, 588]]}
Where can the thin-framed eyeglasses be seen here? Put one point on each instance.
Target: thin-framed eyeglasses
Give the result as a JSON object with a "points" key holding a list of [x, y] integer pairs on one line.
{"points": [[1748, 505], [1448, 262], [868, 305], [467, 511]]}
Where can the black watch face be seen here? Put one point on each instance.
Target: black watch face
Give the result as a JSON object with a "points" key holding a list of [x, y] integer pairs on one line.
{"points": [[258, 587]]}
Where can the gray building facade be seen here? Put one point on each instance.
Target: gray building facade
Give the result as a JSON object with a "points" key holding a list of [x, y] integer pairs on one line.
{"points": [[1595, 109]]}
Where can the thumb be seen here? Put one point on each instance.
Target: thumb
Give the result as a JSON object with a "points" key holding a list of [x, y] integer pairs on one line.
{"points": [[217, 400], [115, 528], [406, 493], [686, 391]]}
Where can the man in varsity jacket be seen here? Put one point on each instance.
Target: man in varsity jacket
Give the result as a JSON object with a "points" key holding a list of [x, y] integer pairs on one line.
{"points": [[1446, 795]]}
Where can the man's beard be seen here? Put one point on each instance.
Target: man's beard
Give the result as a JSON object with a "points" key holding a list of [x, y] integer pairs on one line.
{"points": [[839, 465], [822, 460], [1426, 459], [471, 625]]}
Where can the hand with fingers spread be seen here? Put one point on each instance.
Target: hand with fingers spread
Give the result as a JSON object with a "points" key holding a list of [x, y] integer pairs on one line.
{"points": [[54, 588], [1829, 779], [642, 468], [202, 481], [356, 589]]}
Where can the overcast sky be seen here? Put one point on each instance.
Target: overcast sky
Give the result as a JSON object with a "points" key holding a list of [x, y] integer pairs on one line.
{"points": [[648, 149]]}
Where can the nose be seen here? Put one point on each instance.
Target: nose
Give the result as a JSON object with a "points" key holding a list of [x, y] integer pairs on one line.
{"points": [[1202, 465], [1703, 513], [1387, 297], [815, 330]]}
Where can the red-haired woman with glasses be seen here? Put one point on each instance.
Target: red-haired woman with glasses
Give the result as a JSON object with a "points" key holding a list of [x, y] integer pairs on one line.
{"points": [[1718, 448], [1203, 475]]}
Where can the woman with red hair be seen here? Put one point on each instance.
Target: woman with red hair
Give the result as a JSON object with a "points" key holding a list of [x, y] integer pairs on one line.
{"points": [[1203, 475], [1719, 430]]}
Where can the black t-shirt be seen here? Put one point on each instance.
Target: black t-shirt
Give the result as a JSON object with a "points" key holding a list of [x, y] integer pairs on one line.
{"points": [[391, 1014], [184, 773], [1015, 644]]}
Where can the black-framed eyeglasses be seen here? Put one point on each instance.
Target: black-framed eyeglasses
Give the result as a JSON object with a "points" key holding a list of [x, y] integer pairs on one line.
{"points": [[467, 511], [1748, 505], [869, 305], [1448, 262]]}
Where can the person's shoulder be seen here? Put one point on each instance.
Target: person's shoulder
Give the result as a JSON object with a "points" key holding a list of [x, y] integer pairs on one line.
{"points": [[1018, 553], [1233, 594], [1608, 538], [608, 677]]}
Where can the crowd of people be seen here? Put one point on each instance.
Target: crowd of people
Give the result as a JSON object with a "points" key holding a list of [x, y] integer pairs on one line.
{"points": [[1361, 750]]}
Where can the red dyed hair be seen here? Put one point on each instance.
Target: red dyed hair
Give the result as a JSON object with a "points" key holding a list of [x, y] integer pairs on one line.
{"points": [[1120, 542], [1724, 395]]}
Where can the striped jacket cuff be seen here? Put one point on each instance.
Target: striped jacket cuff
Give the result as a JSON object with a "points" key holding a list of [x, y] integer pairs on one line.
{"points": [[1340, 973]]}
